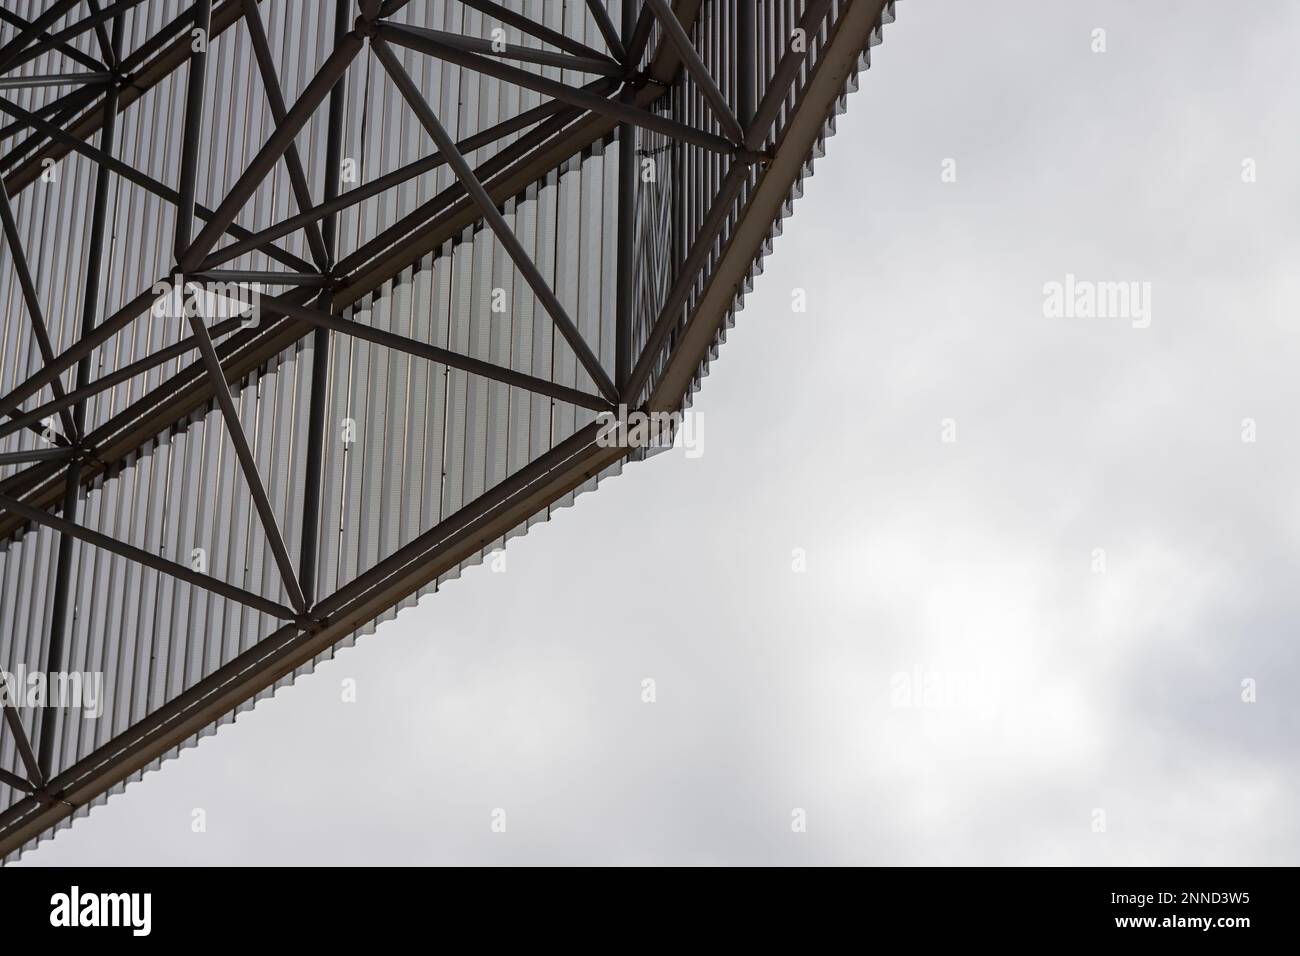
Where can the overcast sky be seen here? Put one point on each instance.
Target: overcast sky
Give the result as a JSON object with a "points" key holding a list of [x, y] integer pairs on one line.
{"points": [[1075, 588]]}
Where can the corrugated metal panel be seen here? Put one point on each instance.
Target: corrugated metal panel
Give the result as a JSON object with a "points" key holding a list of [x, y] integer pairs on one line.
{"points": [[427, 439]]}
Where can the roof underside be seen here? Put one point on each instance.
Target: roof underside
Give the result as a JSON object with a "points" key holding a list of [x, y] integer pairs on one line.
{"points": [[425, 461]]}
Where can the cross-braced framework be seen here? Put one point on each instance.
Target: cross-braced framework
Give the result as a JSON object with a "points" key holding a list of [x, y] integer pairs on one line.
{"points": [[758, 115]]}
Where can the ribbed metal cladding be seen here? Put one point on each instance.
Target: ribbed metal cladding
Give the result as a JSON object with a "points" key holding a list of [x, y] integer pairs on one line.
{"points": [[408, 441]]}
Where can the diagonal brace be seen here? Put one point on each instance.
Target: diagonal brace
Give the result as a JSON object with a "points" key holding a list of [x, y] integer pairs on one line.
{"points": [[147, 558], [607, 29], [248, 463], [331, 72], [33, 303], [110, 379], [433, 353], [525, 54], [67, 50], [21, 740], [275, 97], [532, 28], [133, 175], [614, 108], [699, 72], [492, 215]]}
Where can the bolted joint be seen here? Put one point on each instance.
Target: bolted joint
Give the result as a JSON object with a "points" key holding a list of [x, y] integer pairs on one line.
{"points": [[45, 798], [309, 623], [77, 457], [88, 454], [639, 79], [753, 157]]}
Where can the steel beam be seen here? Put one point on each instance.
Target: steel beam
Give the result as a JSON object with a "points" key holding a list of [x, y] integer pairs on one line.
{"points": [[313, 468], [15, 781], [640, 37], [311, 280], [34, 454], [308, 551], [54, 79], [626, 253], [625, 264], [59, 610], [746, 66], [195, 84], [102, 38], [607, 30]]}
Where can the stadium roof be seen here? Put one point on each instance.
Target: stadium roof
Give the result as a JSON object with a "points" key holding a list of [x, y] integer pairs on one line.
{"points": [[468, 228]]}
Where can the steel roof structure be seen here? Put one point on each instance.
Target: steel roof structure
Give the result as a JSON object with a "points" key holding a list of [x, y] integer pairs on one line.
{"points": [[308, 304]]}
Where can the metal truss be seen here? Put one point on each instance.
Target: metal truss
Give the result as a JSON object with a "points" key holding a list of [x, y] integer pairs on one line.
{"points": [[630, 79]]}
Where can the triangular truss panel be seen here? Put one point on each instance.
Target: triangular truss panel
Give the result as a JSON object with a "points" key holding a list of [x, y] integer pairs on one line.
{"points": [[308, 305]]}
